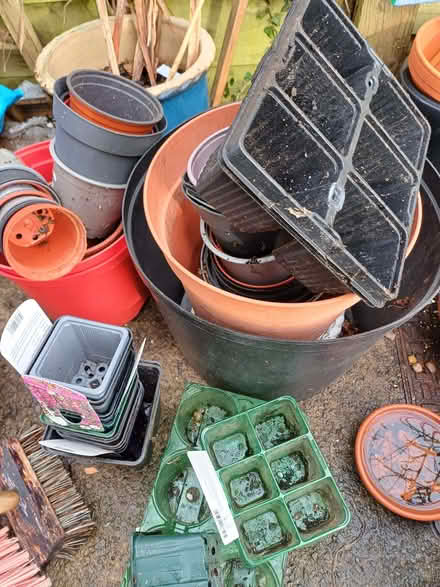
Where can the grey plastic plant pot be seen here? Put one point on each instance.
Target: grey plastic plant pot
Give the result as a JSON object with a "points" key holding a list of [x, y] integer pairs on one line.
{"points": [[97, 204], [16, 172], [92, 151], [278, 367]]}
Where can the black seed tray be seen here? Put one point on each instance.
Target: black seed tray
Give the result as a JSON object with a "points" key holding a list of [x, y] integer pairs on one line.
{"points": [[333, 149]]}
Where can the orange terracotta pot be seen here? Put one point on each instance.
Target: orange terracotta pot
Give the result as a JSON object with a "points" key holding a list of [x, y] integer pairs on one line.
{"points": [[396, 461], [424, 59], [175, 226], [101, 119], [62, 248]]}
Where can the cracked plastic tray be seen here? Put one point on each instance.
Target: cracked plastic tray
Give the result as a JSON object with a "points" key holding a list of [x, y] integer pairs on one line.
{"points": [[278, 485], [330, 145], [199, 407]]}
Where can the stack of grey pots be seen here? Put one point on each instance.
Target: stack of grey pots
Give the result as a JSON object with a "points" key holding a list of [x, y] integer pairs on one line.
{"points": [[104, 124]]}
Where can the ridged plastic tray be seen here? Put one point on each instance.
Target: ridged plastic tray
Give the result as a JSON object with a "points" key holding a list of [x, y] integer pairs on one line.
{"points": [[332, 148]]}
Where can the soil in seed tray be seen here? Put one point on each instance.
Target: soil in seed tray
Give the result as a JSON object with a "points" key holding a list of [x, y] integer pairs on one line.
{"points": [[309, 511], [263, 533], [290, 470], [247, 489], [231, 449], [242, 576], [274, 431], [186, 499], [204, 416]]}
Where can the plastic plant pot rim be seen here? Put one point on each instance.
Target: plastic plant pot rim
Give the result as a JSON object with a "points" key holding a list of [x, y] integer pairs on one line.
{"points": [[417, 45], [123, 82], [105, 242], [416, 225], [57, 161], [197, 151], [201, 204], [64, 98], [39, 185], [24, 168], [378, 495], [20, 193], [242, 284], [413, 90], [219, 253]]}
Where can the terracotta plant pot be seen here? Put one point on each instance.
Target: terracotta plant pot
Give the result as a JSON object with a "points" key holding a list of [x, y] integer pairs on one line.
{"points": [[113, 102], [32, 185], [42, 260], [175, 228], [396, 453], [424, 59]]}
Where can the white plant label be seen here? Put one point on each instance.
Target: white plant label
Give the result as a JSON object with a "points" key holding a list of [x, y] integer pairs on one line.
{"points": [[214, 494]]}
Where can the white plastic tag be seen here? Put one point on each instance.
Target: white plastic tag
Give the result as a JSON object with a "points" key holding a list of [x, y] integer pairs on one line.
{"points": [[74, 447], [164, 71], [24, 334], [215, 496]]}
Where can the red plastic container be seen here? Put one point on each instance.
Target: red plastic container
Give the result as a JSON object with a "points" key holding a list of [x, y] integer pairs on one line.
{"points": [[103, 287]]}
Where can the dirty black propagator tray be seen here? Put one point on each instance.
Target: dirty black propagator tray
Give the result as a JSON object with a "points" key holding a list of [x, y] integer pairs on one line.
{"points": [[332, 148]]}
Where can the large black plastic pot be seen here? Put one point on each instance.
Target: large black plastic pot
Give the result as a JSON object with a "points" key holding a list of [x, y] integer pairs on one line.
{"points": [[264, 367]]}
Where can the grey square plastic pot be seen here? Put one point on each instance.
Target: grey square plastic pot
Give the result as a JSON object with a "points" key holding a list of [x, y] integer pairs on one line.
{"points": [[95, 152], [74, 340]]}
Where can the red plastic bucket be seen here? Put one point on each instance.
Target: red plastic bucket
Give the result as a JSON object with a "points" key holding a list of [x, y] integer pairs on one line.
{"points": [[104, 287]]}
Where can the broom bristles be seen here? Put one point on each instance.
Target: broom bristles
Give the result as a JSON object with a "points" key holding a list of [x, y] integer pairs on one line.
{"points": [[16, 568], [70, 508]]}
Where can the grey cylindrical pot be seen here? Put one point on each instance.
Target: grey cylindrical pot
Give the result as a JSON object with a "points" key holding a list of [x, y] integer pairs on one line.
{"points": [[92, 151], [98, 205]]}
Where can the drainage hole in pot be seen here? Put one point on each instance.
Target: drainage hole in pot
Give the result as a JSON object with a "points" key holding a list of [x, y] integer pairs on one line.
{"points": [[94, 383], [18, 236], [35, 237]]}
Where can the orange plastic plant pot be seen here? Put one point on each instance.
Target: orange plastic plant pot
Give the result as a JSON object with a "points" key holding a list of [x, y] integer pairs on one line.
{"points": [[396, 453], [106, 121], [56, 255], [175, 226], [424, 59]]}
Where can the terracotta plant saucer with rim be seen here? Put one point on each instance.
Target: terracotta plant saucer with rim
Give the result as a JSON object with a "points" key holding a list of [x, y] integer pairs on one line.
{"points": [[397, 454]]}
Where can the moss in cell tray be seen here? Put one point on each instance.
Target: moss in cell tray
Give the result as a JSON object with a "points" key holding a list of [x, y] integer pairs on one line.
{"points": [[202, 417], [263, 533], [247, 488], [309, 511], [290, 470], [274, 431], [231, 449]]}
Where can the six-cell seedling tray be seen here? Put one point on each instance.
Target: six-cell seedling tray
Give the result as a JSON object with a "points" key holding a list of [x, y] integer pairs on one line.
{"points": [[278, 485]]}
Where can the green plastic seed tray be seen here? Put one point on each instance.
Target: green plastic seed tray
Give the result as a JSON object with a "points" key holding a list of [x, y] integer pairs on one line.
{"points": [[278, 485], [177, 504]]}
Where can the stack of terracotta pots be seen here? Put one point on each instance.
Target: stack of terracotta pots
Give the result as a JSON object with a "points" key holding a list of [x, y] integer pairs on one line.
{"points": [[104, 123], [40, 239]]}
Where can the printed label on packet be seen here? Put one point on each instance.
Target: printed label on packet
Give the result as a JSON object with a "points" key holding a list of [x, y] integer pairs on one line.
{"points": [[23, 335], [214, 494]]}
